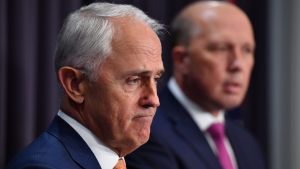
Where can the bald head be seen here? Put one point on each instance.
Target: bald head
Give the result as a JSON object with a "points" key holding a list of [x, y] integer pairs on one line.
{"points": [[214, 54], [196, 18]]}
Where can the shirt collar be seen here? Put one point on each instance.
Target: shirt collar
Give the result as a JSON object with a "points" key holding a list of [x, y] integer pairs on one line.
{"points": [[106, 157], [202, 118]]}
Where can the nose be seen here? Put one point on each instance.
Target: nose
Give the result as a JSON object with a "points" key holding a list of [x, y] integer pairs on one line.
{"points": [[235, 60], [150, 97]]}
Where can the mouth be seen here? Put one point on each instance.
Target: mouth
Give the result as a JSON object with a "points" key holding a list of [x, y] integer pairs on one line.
{"points": [[144, 116], [233, 87]]}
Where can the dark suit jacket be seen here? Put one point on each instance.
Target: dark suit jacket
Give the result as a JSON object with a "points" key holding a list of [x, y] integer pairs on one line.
{"points": [[176, 142], [60, 147]]}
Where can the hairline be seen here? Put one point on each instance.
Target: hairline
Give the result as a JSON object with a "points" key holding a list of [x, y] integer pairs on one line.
{"points": [[88, 13]]}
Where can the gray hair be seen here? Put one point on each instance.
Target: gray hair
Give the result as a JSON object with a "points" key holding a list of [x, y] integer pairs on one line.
{"points": [[85, 39]]}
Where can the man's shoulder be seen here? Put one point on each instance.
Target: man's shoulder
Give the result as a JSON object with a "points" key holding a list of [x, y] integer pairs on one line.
{"points": [[236, 127], [239, 135], [44, 152]]}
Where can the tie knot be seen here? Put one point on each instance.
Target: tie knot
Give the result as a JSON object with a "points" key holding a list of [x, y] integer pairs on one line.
{"points": [[120, 164], [216, 130]]}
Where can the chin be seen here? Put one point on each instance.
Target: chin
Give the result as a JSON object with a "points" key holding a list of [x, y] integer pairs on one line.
{"points": [[144, 137], [228, 104], [140, 138], [232, 105], [135, 143]]}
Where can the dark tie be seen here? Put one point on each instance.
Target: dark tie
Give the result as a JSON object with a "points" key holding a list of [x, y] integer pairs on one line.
{"points": [[217, 133], [120, 164]]}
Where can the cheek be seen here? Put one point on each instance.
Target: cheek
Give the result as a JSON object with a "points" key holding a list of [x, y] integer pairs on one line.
{"points": [[208, 74], [106, 107], [124, 107], [136, 124], [248, 70], [250, 67], [93, 104]]}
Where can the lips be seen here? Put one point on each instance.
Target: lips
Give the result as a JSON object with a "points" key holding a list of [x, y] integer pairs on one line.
{"points": [[144, 116], [232, 87], [143, 120]]}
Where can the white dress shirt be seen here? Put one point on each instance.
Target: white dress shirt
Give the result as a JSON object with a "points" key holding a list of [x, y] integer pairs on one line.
{"points": [[202, 119], [106, 157]]}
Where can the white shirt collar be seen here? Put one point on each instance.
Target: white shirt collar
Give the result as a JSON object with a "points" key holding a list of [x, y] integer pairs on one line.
{"points": [[106, 157], [202, 118]]}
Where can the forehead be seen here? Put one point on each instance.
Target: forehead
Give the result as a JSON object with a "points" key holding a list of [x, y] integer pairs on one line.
{"points": [[134, 34], [229, 29], [134, 46], [224, 22]]}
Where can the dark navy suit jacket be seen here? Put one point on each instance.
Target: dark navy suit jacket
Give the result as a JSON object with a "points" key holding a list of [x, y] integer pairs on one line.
{"points": [[176, 142], [60, 147]]}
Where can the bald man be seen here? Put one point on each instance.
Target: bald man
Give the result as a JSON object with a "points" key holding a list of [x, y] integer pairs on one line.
{"points": [[213, 59]]}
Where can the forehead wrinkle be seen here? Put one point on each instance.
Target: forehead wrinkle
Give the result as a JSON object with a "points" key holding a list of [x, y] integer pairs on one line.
{"points": [[136, 44], [145, 72], [126, 39], [148, 50]]}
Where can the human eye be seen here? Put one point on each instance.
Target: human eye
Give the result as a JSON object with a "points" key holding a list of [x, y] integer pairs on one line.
{"points": [[132, 83], [247, 49], [222, 48], [133, 80], [157, 79], [218, 47]]}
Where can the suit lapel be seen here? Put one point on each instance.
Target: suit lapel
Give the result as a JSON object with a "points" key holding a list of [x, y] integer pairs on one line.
{"points": [[188, 130], [198, 142], [75, 145], [237, 145]]}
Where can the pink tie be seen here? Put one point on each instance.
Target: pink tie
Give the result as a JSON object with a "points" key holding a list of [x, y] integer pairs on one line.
{"points": [[217, 133]]}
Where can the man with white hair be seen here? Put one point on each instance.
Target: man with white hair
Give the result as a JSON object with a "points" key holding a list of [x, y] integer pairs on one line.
{"points": [[108, 61]]}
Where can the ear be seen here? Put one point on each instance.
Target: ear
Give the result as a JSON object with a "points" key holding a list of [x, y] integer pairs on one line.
{"points": [[180, 58], [72, 81]]}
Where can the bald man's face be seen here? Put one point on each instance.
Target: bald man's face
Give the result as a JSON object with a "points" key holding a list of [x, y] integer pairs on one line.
{"points": [[220, 60]]}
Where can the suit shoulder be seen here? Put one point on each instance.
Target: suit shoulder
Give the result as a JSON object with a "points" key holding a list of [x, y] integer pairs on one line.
{"points": [[237, 128], [44, 152]]}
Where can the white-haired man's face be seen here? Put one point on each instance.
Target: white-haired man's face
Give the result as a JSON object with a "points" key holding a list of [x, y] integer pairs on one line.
{"points": [[121, 103]]}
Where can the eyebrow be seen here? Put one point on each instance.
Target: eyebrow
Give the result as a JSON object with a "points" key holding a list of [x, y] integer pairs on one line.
{"points": [[145, 72]]}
